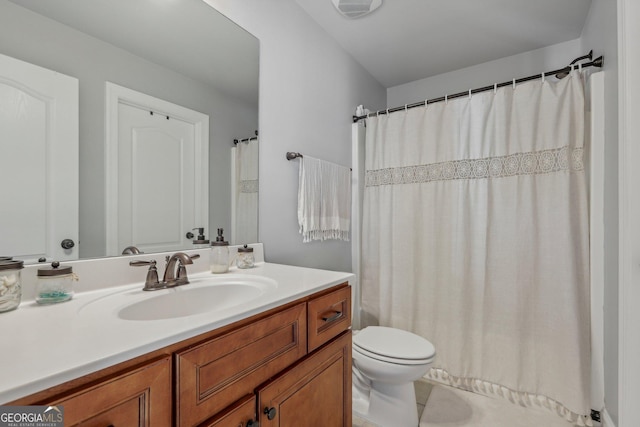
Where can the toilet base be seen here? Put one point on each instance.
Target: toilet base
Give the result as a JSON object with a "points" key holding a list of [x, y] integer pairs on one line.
{"points": [[388, 405]]}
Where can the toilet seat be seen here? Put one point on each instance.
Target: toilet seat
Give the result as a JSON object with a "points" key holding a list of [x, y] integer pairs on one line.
{"points": [[393, 360], [393, 346]]}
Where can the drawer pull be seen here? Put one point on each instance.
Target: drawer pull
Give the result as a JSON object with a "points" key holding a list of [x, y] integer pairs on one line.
{"points": [[253, 423], [270, 413], [335, 316]]}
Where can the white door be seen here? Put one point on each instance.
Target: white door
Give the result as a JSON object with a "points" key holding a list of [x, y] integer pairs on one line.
{"points": [[38, 128], [160, 170], [156, 182]]}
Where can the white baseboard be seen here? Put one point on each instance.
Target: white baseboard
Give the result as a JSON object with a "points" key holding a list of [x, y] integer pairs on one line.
{"points": [[606, 419]]}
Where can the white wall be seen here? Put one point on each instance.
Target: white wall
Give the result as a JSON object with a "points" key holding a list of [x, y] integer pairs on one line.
{"points": [[35, 39], [600, 34], [498, 71], [309, 88]]}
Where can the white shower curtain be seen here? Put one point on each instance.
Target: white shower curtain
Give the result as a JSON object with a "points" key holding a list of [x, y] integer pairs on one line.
{"points": [[475, 236], [246, 210]]}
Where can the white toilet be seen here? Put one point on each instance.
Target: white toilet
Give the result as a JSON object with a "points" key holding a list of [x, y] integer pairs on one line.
{"points": [[386, 362]]}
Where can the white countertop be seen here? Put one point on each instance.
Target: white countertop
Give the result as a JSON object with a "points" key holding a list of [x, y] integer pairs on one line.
{"points": [[43, 346]]}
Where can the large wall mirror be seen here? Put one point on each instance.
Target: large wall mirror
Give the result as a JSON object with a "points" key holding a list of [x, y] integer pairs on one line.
{"points": [[173, 53]]}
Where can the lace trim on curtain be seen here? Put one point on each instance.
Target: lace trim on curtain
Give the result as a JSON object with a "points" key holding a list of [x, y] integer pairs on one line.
{"points": [[248, 186], [517, 397], [309, 236], [531, 163]]}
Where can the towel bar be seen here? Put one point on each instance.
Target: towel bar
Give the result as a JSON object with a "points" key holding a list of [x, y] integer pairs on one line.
{"points": [[293, 155]]}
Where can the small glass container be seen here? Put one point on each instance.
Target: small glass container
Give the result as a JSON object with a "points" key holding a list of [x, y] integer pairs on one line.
{"points": [[219, 254], [245, 258], [55, 284], [10, 284]]}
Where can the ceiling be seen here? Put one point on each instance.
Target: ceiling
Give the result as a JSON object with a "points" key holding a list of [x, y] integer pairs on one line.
{"points": [[408, 40]]}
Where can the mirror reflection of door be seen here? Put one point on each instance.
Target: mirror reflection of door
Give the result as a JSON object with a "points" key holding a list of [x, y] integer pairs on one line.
{"points": [[159, 177], [38, 153]]}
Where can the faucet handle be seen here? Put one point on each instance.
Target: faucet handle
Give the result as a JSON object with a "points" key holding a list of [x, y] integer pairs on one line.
{"points": [[152, 282], [140, 263]]}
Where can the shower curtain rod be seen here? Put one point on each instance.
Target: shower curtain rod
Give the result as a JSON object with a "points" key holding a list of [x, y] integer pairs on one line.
{"points": [[235, 141], [561, 73]]}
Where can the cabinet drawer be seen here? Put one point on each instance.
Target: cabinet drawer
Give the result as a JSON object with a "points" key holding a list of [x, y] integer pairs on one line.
{"points": [[140, 397], [218, 372], [240, 414], [328, 316]]}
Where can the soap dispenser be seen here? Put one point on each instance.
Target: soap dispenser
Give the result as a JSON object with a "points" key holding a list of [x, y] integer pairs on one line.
{"points": [[219, 254], [200, 241]]}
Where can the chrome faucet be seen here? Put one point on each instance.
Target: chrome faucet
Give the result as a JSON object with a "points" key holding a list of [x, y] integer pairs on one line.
{"points": [[175, 272]]}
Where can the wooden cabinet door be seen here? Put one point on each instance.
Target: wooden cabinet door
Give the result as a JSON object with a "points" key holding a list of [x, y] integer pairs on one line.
{"points": [[139, 397], [216, 373], [314, 392], [240, 414]]}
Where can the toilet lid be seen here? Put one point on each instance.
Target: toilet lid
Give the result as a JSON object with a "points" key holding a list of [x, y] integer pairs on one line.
{"points": [[393, 343]]}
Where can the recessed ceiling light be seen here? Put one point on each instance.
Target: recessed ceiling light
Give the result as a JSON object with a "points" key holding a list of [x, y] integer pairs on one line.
{"points": [[356, 8]]}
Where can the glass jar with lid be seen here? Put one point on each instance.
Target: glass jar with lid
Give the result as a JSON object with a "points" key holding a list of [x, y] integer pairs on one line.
{"points": [[55, 284], [10, 284], [245, 258], [219, 258]]}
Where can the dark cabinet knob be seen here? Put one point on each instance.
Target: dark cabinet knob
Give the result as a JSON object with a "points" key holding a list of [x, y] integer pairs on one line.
{"points": [[67, 244], [270, 412], [252, 423]]}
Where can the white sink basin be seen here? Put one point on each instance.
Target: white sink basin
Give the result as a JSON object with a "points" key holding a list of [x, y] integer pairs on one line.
{"points": [[190, 301], [202, 295]]}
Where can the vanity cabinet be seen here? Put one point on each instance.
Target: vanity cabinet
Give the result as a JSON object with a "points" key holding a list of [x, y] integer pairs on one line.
{"points": [[288, 366], [137, 397]]}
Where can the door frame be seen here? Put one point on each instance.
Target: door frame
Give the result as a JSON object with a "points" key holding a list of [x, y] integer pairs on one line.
{"points": [[115, 95], [629, 211]]}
